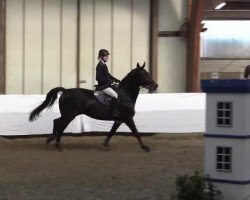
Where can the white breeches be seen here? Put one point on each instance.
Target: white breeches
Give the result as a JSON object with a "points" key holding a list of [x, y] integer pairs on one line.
{"points": [[109, 91]]}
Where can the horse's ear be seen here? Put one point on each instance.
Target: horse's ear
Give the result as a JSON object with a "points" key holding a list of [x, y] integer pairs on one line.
{"points": [[138, 65], [143, 65]]}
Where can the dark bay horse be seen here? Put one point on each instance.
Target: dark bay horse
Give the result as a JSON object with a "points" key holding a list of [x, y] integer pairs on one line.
{"points": [[78, 101]]}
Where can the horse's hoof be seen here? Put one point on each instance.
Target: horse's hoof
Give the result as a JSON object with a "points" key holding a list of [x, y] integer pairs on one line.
{"points": [[145, 148], [106, 148], [49, 139], [58, 147], [105, 144]]}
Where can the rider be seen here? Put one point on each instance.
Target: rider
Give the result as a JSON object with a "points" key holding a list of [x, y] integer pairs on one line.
{"points": [[105, 80]]}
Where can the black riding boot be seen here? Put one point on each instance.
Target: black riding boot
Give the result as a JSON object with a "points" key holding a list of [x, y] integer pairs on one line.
{"points": [[114, 112]]}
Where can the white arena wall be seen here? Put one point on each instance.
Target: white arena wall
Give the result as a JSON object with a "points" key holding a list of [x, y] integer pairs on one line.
{"points": [[155, 113]]}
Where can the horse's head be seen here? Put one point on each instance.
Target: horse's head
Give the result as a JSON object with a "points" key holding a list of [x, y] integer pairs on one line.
{"points": [[143, 78]]}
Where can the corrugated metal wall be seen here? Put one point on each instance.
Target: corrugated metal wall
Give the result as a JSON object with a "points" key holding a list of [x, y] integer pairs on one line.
{"points": [[41, 41]]}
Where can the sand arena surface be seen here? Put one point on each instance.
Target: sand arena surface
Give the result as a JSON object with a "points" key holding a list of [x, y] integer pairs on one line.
{"points": [[31, 170]]}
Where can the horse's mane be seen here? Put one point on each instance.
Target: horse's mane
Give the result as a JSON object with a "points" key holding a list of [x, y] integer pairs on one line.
{"points": [[124, 82]]}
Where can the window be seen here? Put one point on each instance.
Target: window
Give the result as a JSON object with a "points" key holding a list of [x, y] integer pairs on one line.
{"points": [[224, 159], [233, 45], [224, 114]]}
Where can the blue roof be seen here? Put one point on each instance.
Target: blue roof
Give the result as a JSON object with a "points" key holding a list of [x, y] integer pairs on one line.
{"points": [[226, 86]]}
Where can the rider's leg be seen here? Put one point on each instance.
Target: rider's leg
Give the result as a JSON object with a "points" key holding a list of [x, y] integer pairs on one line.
{"points": [[113, 112], [109, 91]]}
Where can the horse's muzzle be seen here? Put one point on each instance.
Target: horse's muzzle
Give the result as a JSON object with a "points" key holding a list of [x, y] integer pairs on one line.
{"points": [[153, 86]]}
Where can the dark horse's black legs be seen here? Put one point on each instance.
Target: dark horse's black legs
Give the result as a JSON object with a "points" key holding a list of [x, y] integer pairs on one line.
{"points": [[131, 124], [111, 133], [62, 122]]}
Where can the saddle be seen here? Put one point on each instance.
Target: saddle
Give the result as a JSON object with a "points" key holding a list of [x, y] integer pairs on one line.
{"points": [[103, 98]]}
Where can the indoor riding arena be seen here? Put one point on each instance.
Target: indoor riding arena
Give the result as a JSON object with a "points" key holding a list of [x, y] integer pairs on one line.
{"points": [[120, 99]]}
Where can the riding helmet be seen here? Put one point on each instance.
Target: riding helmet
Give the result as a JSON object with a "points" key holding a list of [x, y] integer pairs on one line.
{"points": [[103, 52]]}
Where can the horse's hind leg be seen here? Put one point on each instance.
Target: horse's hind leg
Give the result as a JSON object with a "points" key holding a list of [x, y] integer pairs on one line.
{"points": [[53, 135], [59, 126], [131, 124], [111, 133]]}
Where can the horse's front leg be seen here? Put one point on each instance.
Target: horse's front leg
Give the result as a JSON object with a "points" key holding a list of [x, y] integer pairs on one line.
{"points": [[111, 133], [131, 124]]}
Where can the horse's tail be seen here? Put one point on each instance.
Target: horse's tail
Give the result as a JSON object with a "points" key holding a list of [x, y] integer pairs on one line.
{"points": [[49, 101]]}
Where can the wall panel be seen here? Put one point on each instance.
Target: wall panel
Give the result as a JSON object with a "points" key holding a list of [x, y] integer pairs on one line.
{"points": [[87, 54], [121, 38], [32, 47], [68, 28], [103, 27], [52, 44], [140, 32], [14, 47], [172, 62], [172, 50]]}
